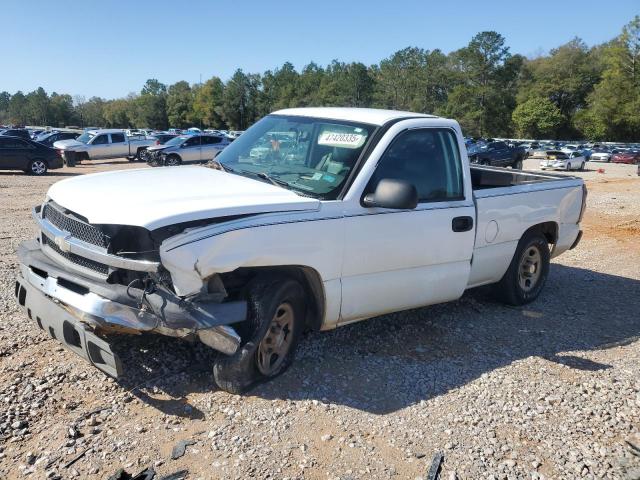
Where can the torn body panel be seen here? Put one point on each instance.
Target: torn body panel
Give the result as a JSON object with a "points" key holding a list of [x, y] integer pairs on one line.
{"points": [[311, 241], [109, 308]]}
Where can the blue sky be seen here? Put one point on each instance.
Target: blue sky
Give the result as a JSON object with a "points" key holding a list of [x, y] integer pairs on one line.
{"points": [[110, 48]]}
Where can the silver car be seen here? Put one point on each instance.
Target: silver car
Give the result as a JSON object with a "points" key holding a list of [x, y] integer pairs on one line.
{"points": [[187, 149]]}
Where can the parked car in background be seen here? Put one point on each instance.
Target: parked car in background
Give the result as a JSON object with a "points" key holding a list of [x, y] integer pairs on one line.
{"points": [[49, 138], [631, 157], [600, 155], [31, 157], [99, 144], [187, 149], [17, 132], [499, 154], [160, 139], [561, 160]]}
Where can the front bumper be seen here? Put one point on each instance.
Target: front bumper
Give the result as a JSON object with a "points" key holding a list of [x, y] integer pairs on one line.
{"points": [[80, 312]]}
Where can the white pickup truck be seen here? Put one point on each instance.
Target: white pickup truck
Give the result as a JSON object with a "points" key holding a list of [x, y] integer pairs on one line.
{"points": [[360, 213], [101, 144]]}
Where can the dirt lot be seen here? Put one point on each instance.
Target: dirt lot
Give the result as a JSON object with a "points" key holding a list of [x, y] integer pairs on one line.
{"points": [[551, 390]]}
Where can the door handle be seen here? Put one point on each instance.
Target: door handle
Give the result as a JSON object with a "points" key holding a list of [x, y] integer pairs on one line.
{"points": [[462, 224]]}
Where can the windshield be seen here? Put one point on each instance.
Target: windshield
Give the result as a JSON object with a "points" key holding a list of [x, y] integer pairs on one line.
{"points": [[176, 141], [85, 137], [310, 155]]}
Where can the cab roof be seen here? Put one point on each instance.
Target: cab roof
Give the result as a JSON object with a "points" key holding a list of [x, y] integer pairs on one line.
{"points": [[372, 116]]}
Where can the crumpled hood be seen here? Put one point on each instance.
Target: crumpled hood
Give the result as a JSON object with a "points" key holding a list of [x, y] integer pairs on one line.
{"points": [[157, 197], [68, 144], [155, 148]]}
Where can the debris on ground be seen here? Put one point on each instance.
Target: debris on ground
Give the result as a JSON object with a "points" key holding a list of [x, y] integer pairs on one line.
{"points": [[180, 448]]}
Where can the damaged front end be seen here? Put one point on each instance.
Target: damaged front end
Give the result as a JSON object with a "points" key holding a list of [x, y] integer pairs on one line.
{"points": [[79, 284]]}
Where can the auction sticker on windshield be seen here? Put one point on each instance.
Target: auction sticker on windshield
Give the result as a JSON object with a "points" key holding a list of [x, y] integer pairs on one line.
{"points": [[341, 139]]}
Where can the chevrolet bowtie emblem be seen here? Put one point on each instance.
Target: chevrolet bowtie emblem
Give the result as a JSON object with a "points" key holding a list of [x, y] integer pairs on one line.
{"points": [[62, 241]]}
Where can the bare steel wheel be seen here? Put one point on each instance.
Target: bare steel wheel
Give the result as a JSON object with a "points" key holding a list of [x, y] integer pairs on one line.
{"points": [[275, 319], [527, 273], [276, 344], [530, 267]]}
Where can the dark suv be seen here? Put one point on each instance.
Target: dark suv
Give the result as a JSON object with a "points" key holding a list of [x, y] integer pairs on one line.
{"points": [[17, 132], [49, 139], [27, 155]]}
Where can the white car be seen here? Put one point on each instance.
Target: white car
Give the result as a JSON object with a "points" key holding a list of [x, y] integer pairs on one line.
{"points": [[602, 156], [560, 160], [368, 212]]}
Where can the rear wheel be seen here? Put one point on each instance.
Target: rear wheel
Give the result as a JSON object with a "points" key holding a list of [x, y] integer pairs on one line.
{"points": [[527, 272], [270, 335], [140, 154], [518, 164], [37, 167]]}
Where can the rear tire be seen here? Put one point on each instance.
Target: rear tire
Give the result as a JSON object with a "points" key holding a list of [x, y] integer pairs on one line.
{"points": [[37, 167], [527, 272], [517, 165], [140, 154], [270, 335]]}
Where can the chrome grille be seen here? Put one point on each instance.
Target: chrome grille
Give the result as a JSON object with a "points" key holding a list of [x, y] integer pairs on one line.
{"points": [[89, 264], [77, 228]]}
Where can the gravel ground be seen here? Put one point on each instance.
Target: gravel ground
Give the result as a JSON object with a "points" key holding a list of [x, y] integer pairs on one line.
{"points": [[551, 390]]}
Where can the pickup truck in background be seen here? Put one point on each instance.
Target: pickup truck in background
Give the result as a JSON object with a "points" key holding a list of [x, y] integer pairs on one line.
{"points": [[102, 144], [363, 212], [499, 154]]}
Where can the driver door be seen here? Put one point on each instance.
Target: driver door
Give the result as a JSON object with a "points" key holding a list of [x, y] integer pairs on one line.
{"points": [[100, 146], [400, 259], [190, 151]]}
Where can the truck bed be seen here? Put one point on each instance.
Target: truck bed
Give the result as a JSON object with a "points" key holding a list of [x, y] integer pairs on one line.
{"points": [[483, 178], [510, 201]]}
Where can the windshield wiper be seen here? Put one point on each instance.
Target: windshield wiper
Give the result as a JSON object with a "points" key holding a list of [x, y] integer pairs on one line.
{"points": [[275, 181], [220, 166]]}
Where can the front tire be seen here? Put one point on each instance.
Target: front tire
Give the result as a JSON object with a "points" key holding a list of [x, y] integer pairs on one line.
{"points": [[527, 272], [270, 335], [172, 161]]}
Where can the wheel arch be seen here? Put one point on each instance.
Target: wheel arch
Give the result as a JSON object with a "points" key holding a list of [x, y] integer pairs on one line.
{"points": [[308, 277], [548, 229]]}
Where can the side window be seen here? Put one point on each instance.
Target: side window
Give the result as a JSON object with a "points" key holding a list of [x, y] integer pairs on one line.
{"points": [[427, 158], [13, 143], [211, 140], [101, 140], [117, 138], [192, 142]]}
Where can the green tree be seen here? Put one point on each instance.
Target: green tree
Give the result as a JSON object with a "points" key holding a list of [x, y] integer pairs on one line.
{"points": [[537, 117], [151, 106], [206, 108], [60, 110], [5, 100], [118, 113], [613, 106], [18, 108], [565, 77], [240, 100], [483, 97], [180, 104]]}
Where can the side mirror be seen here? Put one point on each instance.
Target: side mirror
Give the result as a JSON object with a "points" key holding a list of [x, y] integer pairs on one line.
{"points": [[396, 194]]}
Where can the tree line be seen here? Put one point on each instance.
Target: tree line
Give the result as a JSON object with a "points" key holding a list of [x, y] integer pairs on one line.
{"points": [[574, 92]]}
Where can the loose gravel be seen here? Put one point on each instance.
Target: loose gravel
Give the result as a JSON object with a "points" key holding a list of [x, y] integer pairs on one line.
{"points": [[550, 390]]}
